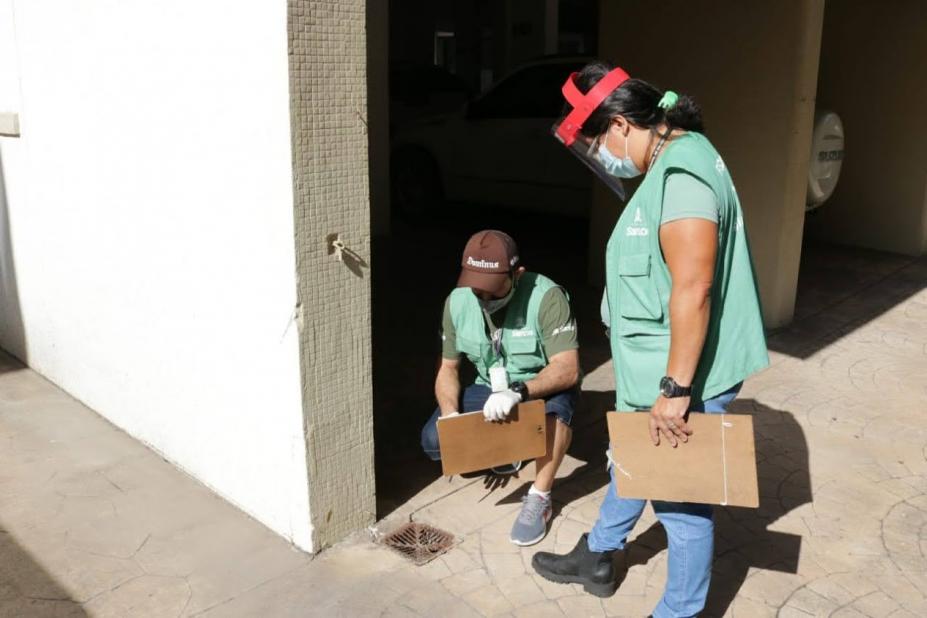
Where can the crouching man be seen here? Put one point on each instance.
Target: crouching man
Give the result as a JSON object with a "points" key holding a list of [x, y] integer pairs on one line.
{"points": [[518, 331]]}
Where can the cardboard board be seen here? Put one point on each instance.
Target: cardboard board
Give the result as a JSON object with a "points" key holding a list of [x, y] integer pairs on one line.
{"points": [[716, 466], [469, 443]]}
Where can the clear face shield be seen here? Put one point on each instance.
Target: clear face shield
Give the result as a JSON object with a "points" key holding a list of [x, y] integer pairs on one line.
{"points": [[567, 128], [586, 150]]}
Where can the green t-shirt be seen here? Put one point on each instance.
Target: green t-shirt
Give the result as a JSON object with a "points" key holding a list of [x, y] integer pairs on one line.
{"points": [[555, 318], [687, 197]]}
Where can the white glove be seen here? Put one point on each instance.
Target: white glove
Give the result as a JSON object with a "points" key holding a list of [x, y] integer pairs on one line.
{"points": [[500, 404]]}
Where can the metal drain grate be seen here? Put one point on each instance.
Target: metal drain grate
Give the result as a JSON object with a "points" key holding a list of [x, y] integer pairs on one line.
{"points": [[420, 543]]}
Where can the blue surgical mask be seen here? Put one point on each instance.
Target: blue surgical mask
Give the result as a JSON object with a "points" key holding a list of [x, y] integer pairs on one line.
{"points": [[620, 168]]}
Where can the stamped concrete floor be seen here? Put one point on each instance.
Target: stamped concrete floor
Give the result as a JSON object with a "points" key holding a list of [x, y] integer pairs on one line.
{"points": [[93, 523]]}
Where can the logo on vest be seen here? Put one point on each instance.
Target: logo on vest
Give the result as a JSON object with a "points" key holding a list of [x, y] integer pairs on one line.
{"points": [[523, 333], [636, 229], [481, 263]]}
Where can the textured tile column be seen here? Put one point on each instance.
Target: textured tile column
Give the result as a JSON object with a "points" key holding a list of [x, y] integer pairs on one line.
{"points": [[327, 48]]}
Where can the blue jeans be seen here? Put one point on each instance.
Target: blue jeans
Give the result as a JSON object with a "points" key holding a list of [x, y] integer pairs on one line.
{"points": [[474, 398], [690, 532]]}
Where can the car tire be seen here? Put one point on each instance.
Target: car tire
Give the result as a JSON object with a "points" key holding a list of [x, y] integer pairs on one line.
{"points": [[416, 184]]}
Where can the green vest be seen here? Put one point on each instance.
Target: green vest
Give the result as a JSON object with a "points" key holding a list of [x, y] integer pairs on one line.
{"points": [[638, 287], [522, 350]]}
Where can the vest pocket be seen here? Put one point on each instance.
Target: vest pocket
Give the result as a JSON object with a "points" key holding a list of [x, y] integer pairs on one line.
{"points": [[641, 362], [523, 354], [638, 297], [521, 345], [473, 349]]}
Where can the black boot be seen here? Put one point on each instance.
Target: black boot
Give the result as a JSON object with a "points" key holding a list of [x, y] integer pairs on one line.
{"points": [[594, 570]]}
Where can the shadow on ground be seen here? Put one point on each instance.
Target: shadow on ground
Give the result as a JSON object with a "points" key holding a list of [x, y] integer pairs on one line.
{"points": [[26, 589], [743, 539], [841, 289]]}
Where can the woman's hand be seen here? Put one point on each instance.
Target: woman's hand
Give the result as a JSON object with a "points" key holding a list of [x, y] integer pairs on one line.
{"points": [[668, 416]]}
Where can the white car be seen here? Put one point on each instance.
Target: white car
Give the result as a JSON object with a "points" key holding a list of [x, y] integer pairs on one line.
{"points": [[498, 149]]}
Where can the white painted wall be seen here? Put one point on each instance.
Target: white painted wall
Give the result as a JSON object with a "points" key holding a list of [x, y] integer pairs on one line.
{"points": [[149, 262]]}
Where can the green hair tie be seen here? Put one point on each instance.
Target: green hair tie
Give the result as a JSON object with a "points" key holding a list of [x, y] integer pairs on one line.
{"points": [[669, 100]]}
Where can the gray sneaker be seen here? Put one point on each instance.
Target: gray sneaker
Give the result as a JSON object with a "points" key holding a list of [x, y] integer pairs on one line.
{"points": [[506, 469], [531, 524]]}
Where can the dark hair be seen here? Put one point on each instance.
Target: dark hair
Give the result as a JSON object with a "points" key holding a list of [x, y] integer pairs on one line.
{"points": [[637, 101]]}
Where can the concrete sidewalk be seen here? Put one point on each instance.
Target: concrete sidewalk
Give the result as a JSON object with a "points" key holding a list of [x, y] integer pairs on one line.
{"points": [[93, 523]]}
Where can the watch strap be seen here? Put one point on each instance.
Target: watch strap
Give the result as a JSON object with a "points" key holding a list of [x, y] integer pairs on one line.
{"points": [[675, 390]]}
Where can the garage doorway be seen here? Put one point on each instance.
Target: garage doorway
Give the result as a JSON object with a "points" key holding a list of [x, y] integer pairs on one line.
{"points": [[468, 151]]}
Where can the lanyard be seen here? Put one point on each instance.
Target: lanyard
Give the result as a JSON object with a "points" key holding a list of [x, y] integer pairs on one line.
{"points": [[495, 336], [660, 144]]}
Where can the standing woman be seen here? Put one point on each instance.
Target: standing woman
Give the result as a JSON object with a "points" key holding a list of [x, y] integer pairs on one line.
{"points": [[681, 304]]}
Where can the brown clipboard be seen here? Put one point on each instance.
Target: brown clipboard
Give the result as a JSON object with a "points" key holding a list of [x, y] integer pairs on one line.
{"points": [[470, 443], [716, 466]]}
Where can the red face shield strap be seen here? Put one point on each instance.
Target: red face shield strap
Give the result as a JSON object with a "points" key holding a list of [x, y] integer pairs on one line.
{"points": [[585, 104]]}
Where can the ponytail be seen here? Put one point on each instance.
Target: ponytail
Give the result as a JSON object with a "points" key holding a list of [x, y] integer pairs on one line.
{"points": [[685, 114], [640, 102]]}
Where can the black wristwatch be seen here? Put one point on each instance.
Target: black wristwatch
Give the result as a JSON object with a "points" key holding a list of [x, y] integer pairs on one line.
{"points": [[670, 389], [521, 388]]}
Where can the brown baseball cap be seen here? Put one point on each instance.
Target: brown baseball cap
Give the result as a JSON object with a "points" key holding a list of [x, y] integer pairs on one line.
{"points": [[488, 261]]}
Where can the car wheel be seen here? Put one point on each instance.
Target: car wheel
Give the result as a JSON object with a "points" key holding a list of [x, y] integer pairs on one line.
{"points": [[416, 183]]}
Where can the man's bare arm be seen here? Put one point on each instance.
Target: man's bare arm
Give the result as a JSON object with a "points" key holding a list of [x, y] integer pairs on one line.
{"points": [[447, 386], [561, 373]]}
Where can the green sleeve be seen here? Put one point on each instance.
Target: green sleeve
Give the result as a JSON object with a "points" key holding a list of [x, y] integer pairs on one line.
{"points": [[448, 335], [687, 197], [557, 323]]}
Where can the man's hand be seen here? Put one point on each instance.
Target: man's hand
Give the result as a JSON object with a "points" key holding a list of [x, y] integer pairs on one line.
{"points": [[668, 416], [500, 404], [450, 413]]}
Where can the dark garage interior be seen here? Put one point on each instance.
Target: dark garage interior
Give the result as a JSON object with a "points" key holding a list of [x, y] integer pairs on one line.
{"points": [[448, 67]]}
